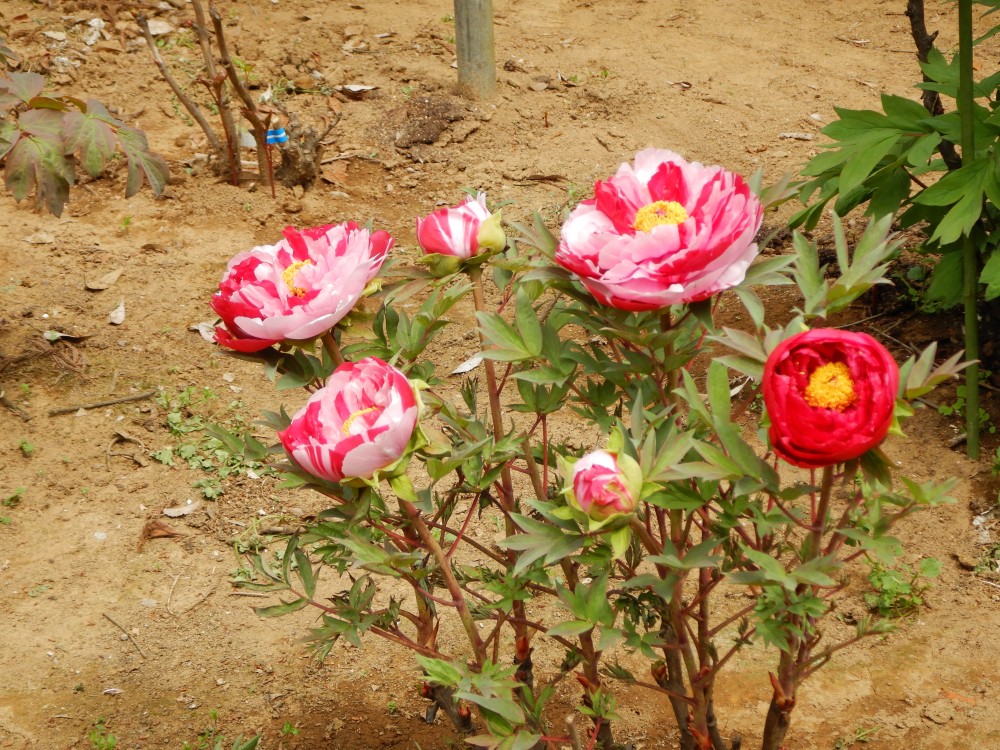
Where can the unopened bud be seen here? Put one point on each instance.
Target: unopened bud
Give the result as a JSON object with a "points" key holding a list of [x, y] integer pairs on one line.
{"points": [[522, 650], [605, 485], [659, 671]]}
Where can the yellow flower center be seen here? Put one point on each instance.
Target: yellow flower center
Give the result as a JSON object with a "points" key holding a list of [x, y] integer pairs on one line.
{"points": [[346, 429], [658, 213], [831, 387], [288, 275]]}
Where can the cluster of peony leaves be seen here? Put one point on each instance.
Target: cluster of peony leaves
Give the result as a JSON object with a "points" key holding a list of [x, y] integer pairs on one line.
{"points": [[661, 232]]}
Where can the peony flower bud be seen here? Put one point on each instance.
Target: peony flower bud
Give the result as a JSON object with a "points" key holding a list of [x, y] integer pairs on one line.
{"points": [[359, 423], [605, 485], [461, 231], [299, 288], [662, 232], [830, 396]]}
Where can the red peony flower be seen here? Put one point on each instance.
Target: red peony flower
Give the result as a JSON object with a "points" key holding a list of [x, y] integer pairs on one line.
{"points": [[360, 422], [830, 395], [661, 233], [299, 288]]}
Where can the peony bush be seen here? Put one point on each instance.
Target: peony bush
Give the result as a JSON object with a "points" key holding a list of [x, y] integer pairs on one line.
{"points": [[618, 558]]}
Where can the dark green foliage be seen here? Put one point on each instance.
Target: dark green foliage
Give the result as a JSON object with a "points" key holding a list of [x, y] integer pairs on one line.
{"points": [[890, 163]]}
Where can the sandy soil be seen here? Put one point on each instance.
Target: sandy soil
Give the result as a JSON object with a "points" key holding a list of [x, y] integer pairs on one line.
{"points": [[153, 637]]}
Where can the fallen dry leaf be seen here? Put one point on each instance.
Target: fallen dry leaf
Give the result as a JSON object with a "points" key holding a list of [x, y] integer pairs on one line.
{"points": [[159, 28], [468, 365], [117, 316], [155, 529], [182, 510], [335, 172], [40, 238], [355, 90], [206, 328], [105, 281]]}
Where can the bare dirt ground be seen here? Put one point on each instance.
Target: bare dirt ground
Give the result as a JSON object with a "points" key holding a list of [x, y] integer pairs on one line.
{"points": [[583, 84]]}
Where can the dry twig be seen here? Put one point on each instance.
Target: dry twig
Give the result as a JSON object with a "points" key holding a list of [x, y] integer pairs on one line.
{"points": [[98, 404], [7, 403], [128, 635], [183, 98]]}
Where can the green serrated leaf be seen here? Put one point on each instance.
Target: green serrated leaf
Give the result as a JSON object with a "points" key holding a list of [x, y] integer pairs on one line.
{"points": [[306, 574], [9, 134], [282, 609], [91, 138], [39, 164], [142, 163], [23, 86], [528, 326]]}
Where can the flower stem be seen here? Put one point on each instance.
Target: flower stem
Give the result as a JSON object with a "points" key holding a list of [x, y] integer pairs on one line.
{"points": [[332, 348], [479, 300], [819, 522], [493, 391], [450, 582], [970, 253]]}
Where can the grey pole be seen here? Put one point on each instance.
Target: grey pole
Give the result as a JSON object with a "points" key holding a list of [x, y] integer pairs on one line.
{"points": [[477, 75]]}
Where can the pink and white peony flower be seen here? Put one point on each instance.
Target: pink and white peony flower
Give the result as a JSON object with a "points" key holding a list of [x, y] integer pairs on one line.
{"points": [[662, 232], [299, 288], [360, 422], [605, 485], [461, 231]]}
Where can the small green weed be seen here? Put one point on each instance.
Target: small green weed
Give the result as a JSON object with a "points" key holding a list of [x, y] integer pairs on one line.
{"points": [[860, 735], [958, 407], [899, 591], [220, 450], [100, 738], [181, 114], [12, 501], [26, 447], [211, 738], [990, 561], [289, 729]]}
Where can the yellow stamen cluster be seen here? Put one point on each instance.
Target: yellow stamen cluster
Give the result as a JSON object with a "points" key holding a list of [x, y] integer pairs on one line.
{"points": [[831, 387], [659, 213], [288, 276], [346, 429]]}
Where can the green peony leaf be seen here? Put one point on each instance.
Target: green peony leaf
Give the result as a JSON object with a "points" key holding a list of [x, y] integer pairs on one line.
{"points": [[142, 162], [91, 136]]}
